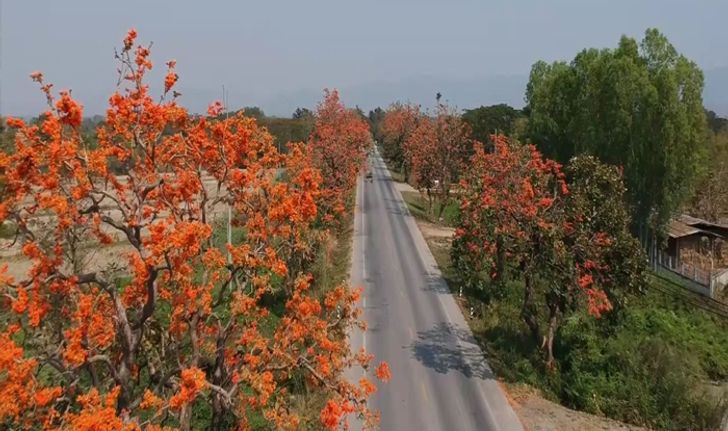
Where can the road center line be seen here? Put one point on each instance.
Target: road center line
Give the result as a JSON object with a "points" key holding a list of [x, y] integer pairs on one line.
{"points": [[424, 392]]}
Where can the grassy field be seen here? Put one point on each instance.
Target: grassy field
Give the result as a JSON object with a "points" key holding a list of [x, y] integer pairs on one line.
{"points": [[418, 206]]}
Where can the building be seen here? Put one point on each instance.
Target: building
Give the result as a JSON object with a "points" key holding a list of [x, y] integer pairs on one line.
{"points": [[695, 250], [688, 235]]}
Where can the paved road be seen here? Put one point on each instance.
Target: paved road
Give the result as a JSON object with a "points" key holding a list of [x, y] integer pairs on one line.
{"points": [[440, 380]]}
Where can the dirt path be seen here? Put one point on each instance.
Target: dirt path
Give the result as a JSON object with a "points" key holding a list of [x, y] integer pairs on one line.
{"points": [[432, 230], [404, 187], [539, 414], [94, 259]]}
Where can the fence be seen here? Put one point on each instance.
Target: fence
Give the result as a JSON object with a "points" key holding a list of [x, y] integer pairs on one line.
{"points": [[693, 277]]}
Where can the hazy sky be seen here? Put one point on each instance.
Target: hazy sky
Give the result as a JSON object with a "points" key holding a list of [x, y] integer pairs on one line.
{"points": [[274, 50]]}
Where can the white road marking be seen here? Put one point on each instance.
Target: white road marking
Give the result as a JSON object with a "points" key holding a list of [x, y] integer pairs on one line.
{"points": [[424, 392]]}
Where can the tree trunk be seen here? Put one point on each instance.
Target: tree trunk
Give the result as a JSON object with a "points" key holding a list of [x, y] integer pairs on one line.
{"points": [[216, 423], [185, 418], [500, 262], [444, 199], [527, 312], [441, 209], [218, 408], [429, 202], [548, 341]]}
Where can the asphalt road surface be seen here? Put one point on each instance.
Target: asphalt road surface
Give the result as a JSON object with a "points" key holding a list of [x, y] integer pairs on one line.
{"points": [[440, 379]]}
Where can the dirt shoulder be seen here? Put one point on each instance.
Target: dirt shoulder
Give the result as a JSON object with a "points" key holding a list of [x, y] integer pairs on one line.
{"points": [[539, 414]]}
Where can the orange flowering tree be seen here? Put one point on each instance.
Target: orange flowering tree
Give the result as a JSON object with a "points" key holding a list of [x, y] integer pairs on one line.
{"points": [[399, 122], [171, 328], [438, 149], [569, 245], [339, 142]]}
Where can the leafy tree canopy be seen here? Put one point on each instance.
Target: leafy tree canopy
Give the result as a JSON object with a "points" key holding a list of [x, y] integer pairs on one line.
{"points": [[638, 106]]}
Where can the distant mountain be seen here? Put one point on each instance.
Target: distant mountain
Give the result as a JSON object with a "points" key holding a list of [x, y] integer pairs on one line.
{"points": [[715, 95], [459, 93]]}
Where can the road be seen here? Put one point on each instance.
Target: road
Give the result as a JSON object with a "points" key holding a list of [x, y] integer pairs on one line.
{"points": [[440, 380]]}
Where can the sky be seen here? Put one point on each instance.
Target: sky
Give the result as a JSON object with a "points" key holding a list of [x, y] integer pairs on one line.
{"points": [[279, 54]]}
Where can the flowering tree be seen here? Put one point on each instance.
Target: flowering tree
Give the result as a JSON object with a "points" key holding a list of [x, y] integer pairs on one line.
{"points": [[438, 150], [569, 245], [175, 325], [339, 142], [399, 122]]}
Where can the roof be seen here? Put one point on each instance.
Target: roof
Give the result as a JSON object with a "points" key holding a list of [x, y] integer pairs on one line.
{"points": [[694, 221], [685, 225], [677, 229], [688, 220]]}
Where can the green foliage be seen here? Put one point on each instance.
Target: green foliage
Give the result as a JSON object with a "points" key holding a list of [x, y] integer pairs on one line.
{"points": [[253, 112], [285, 130], [298, 128], [716, 123], [303, 114], [418, 207], [595, 204], [7, 230], [376, 118], [647, 365], [488, 120], [638, 107]]}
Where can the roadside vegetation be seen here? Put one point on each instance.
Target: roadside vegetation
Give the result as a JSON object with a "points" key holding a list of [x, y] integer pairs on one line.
{"points": [[547, 256]]}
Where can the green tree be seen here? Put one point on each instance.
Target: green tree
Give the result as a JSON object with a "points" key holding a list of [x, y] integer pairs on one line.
{"points": [[488, 120], [302, 113], [716, 123], [638, 106], [376, 120], [254, 112]]}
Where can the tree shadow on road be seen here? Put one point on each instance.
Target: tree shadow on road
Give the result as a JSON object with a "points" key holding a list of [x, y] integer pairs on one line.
{"points": [[437, 284], [446, 348], [393, 206]]}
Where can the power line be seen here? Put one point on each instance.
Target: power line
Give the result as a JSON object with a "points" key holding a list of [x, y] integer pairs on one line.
{"points": [[689, 299], [681, 289]]}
